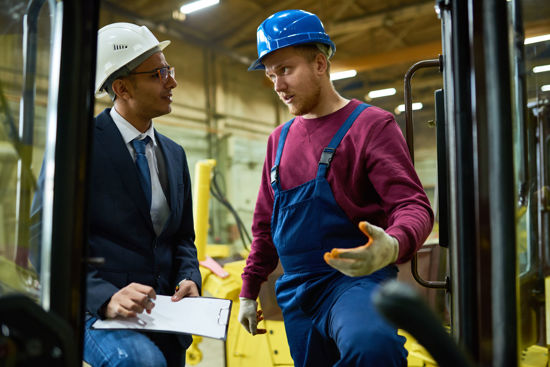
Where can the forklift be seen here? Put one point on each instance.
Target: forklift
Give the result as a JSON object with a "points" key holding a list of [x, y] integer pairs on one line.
{"points": [[493, 128]]}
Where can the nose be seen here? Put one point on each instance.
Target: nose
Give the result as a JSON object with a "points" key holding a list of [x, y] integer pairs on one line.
{"points": [[171, 82], [279, 84]]}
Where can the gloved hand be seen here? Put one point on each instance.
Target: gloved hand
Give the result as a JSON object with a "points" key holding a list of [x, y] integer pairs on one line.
{"points": [[249, 316], [381, 250]]}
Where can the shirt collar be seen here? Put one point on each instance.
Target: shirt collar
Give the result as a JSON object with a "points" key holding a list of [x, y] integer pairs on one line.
{"points": [[128, 131]]}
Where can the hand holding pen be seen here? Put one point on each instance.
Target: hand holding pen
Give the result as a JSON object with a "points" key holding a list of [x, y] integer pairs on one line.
{"points": [[185, 288], [131, 300]]}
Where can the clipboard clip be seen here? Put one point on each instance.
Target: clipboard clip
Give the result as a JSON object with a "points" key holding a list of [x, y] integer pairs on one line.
{"points": [[223, 315]]}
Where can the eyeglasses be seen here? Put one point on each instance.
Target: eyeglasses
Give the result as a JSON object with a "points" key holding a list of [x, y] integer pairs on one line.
{"points": [[162, 73]]}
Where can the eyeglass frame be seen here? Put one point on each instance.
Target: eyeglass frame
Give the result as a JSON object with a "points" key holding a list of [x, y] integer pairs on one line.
{"points": [[170, 70]]}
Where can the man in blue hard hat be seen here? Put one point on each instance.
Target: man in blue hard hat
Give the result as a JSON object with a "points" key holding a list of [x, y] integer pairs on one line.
{"points": [[334, 176]]}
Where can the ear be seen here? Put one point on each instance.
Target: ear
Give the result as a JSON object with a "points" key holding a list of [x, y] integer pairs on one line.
{"points": [[321, 64], [122, 89]]}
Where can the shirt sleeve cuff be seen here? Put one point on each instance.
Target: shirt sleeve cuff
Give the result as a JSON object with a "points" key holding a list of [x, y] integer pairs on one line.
{"points": [[250, 289], [405, 252]]}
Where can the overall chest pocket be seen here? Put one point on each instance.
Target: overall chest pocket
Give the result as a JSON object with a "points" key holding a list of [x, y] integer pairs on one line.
{"points": [[297, 230]]}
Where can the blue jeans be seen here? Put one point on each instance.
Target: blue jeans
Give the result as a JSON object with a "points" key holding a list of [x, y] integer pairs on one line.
{"points": [[106, 348]]}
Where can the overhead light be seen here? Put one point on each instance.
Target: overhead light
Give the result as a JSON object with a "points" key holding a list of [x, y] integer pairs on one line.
{"points": [[541, 69], [381, 93], [545, 88], [343, 74], [178, 15], [197, 5], [530, 40], [415, 106]]}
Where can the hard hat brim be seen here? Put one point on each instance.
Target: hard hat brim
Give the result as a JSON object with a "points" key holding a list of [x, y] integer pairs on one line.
{"points": [[257, 65]]}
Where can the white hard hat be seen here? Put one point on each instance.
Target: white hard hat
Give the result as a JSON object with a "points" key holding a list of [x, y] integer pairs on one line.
{"points": [[119, 44]]}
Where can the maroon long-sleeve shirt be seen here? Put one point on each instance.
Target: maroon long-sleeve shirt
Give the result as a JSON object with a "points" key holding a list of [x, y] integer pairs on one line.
{"points": [[371, 176]]}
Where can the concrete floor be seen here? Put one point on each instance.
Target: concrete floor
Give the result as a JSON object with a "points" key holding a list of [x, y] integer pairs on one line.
{"points": [[212, 353]]}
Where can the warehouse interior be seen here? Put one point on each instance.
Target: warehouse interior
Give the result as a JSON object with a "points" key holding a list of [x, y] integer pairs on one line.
{"points": [[223, 112]]}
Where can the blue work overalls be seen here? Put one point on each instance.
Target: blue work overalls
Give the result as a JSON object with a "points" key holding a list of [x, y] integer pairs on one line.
{"points": [[329, 317]]}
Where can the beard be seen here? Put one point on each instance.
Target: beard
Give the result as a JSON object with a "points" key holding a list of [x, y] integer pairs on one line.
{"points": [[304, 104]]}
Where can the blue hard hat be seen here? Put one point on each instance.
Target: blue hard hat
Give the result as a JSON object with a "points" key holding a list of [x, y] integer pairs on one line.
{"points": [[289, 28]]}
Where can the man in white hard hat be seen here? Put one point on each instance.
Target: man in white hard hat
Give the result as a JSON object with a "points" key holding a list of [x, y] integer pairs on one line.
{"points": [[335, 176], [140, 204]]}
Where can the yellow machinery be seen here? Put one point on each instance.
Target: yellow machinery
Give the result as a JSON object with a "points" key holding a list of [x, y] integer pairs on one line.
{"points": [[242, 349], [270, 349]]}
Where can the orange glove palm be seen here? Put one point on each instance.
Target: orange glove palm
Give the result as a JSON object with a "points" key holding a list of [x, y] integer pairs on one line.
{"points": [[381, 250]]}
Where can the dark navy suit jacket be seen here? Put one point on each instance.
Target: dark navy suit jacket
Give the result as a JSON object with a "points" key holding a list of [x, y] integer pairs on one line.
{"points": [[120, 227], [121, 230]]}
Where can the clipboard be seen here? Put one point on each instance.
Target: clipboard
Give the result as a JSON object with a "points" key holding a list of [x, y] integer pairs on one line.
{"points": [[203, 316]]}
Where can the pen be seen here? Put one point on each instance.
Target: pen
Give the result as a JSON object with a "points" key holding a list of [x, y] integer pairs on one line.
{"points": [[149, 300]]}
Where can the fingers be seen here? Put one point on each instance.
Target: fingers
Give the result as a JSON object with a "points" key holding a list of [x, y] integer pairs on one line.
{"points": [[348, 267], [144, 289], [143, 297], [149, 305], [253, 324], [115, 309], [356, 252], [252, 327], [189, 289], [246, 325], [186, 288], [259, 317], [352, 262], [381, 250], [257, 331], [249, 324], [249, 316], [368, 230], [122, 306], [344, 264], [348, 253], [131, 300]]}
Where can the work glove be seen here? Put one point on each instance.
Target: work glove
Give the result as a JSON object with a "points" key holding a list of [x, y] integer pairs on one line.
{"points": [[249, 315], [381, 250]]}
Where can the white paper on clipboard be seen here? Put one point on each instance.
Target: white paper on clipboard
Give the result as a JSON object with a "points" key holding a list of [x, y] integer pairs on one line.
{"points": [[204, 316]]}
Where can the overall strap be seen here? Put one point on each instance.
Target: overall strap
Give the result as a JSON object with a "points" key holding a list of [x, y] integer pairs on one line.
{"points": [[275, 168], [328, 152]]}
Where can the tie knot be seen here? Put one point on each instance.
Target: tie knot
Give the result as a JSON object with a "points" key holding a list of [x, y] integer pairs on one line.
{"points": [[139, 145]]}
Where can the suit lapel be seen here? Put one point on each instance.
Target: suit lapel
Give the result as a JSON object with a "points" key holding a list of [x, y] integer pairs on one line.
{"points": [[173, 171], [111, 142]]}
